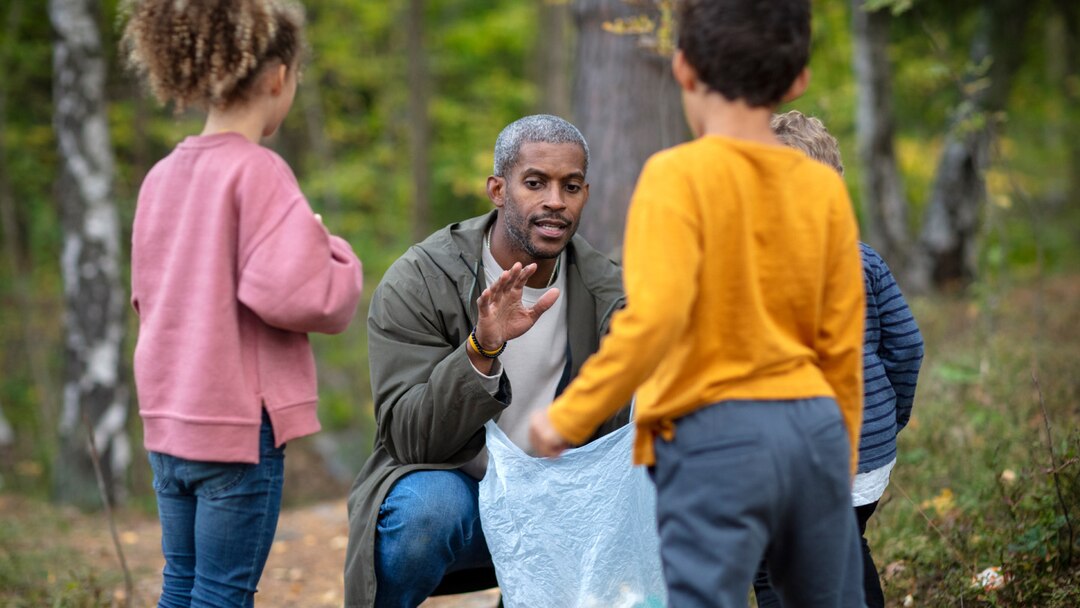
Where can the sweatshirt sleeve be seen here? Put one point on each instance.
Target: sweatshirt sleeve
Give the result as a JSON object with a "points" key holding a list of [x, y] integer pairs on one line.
{"points": [[662, 256], [839, 340], [293, 273]]}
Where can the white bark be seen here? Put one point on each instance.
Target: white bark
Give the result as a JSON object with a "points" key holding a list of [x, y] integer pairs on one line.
{"points": [[7, 435], [94, 386]]}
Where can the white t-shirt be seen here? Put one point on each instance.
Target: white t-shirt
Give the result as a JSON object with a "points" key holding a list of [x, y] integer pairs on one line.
{"points": [[532, 362], [869, 486]]}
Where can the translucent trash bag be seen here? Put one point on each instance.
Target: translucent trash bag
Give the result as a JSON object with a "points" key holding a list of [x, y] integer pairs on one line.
{"points": [[578, 531]]}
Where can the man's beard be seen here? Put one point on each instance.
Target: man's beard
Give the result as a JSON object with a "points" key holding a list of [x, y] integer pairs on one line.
{"points": [[517, 230]]}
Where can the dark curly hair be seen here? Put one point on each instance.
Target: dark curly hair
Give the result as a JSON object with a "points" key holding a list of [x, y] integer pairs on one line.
{"points": [[208, 53], [746, 49]]}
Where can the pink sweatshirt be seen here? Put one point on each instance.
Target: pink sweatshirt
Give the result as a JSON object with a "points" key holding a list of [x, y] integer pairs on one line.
{"points": [[229, 270]]}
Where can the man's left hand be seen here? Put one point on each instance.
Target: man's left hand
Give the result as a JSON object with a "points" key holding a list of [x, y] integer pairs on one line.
{"points": [[544, 438]]}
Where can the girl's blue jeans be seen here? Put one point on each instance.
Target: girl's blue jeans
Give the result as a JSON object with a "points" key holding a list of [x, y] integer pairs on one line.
{"points": [[217, 524]]}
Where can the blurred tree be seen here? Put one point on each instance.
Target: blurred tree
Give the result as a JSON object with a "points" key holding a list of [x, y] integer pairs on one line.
{"points": [[626, 104], [7, 436], [885, 206], [554, 58], [946, 254], [419, 121], [1068, 11], [95, 391]]}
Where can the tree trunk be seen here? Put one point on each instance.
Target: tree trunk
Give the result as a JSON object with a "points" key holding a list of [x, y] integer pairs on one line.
{"points": [[947, 254], [1069, 11], [554, 49], [628, 106], [7, 436], [419, 122], [95, 392], [882, 186]]}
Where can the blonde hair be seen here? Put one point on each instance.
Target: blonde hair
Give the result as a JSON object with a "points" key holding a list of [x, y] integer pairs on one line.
{"points": [[809, 135], [209, 53]]}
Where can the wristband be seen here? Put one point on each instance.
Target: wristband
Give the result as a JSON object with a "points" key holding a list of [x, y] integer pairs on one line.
{"points": [[489, 354]]}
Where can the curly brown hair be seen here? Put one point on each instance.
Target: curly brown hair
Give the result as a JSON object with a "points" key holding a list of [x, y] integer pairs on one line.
{"points": [[209, 53]]}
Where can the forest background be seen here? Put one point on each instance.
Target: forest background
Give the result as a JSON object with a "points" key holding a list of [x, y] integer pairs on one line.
{"points": [[959, 124]]}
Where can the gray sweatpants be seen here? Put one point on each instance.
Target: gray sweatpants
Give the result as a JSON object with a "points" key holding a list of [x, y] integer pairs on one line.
{"points": [[747, 479]]}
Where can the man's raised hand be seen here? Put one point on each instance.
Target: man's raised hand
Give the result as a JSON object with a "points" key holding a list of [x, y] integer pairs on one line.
{"points": [[501, 316]]}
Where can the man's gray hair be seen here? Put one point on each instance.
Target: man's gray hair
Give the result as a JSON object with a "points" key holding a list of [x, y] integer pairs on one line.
{"points": [[538, 128]]}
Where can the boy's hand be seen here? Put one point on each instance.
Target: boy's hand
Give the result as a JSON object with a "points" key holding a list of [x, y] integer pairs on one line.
{"points": [[544, 438]]}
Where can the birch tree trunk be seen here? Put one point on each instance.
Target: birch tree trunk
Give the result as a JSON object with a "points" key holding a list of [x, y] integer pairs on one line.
{"points": [[7, 436], [947, 255], [882, 185], [94, 388], [628, 106]]}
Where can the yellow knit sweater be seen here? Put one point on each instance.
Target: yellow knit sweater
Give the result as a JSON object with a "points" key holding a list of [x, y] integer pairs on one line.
{"points": [[743, 281]]}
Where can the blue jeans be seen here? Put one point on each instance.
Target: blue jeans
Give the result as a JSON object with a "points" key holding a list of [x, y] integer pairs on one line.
{"points": [[429, 525], [217, 524]]}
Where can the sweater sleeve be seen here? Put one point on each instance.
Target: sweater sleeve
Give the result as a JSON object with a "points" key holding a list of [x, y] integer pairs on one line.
{"points": [[293, 273], [901, 345], [840, 335], [662, 256]]}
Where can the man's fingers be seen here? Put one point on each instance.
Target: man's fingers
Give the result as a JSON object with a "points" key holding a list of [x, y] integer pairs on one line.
{"points": [[483, 300], [545, 302], [506, 280], [499, 286], [524, 275]]}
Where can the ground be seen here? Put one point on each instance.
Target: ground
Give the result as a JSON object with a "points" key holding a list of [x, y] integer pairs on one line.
{"points": [[304, 568]]}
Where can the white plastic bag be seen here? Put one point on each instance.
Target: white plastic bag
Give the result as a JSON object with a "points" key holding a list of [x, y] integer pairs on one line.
{"points": [[577, 531]]}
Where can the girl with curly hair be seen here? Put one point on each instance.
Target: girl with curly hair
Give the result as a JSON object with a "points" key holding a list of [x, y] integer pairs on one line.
{"points": [[229, 271]]}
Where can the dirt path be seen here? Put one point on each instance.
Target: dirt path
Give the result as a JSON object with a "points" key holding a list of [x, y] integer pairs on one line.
{"points": [[304, 569]]}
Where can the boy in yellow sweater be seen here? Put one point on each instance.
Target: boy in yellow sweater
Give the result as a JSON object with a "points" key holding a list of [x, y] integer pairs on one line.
{"points": [[742, 336]]}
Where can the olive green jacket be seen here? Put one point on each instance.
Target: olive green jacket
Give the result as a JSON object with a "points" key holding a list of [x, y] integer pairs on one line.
{"points": [[430, 407]]}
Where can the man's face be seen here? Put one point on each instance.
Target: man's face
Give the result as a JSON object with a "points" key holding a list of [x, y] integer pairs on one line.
{"points": [[541, 199]]}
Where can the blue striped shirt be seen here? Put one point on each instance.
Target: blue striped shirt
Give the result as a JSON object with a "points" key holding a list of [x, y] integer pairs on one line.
{"points": [[892, 354]]}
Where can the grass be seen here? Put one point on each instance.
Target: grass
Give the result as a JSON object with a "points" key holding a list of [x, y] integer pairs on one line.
{"points": [[988, 473], [38, 568]]}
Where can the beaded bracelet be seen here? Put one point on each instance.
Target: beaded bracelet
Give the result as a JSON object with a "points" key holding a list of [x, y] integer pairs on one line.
{"points": [[490, 354]]}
